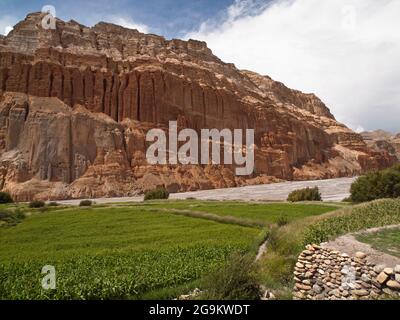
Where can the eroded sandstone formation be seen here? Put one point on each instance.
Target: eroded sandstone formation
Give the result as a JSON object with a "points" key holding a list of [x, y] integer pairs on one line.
{"points": [[76, 104], [381, 140]]}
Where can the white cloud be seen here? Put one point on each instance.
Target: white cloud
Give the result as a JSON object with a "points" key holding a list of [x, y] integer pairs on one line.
{"points": [[345, 51], [6, 23], [129, 23], [7, 30]]}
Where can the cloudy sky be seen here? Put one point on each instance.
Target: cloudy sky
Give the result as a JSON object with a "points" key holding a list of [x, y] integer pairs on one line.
{"points": [[345, 51]]}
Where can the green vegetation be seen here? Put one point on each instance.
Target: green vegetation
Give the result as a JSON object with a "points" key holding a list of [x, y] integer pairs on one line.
{"points": [[5, 198], [237, 279], [374, 214], [106, 253], [307, 194], [159, 193], [387, 240], [85, 203], [149, 250], [10, 218], [36, 204], [53, 204], [377, 185], [261, 213]]}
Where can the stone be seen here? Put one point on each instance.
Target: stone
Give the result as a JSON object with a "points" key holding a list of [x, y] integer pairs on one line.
{"points": [[360, 292], [392, 284], [376, 284], [379, 268], [303, 287], [298, 295], [388, 271], [365, 278], [361, 255], [397, 269], [388, 291], [397, 277], [268, 295], [317, 289], [86, 97], [335, 293], [382, 277]]}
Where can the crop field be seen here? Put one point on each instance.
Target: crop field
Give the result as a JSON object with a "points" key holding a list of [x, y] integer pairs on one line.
{"points": [[110, 253], [136, 251], [265, 212], [374, 214]]}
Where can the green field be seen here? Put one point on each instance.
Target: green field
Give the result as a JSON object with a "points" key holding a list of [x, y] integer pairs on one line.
{"points": [[266, 213], [129, 251], [387, 240]]}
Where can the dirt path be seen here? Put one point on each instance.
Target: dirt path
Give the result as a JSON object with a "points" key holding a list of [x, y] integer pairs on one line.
{"points": [[350, 245]]}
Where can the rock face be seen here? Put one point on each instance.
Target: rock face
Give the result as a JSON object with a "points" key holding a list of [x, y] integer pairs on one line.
{"points": [[381, 140], [76, 104]]}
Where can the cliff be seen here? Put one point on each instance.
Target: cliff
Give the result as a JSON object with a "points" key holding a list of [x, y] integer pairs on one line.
{"points": [[380, 140], [76, 103]]}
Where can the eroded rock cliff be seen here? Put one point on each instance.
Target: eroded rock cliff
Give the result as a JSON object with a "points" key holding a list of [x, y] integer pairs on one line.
{"points": [[380, 140], [76, 104]]}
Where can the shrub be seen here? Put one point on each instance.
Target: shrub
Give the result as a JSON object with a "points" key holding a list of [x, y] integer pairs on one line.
{"points": [[53, 204], [377, 185], [159, 193], [11, 218], [282, 221], [36, 204], [237, 279], [5, 198], [307, 194], [85, 203]]}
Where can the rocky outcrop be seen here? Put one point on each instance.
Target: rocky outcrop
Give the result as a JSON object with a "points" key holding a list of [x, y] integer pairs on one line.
{"points": [[381, 140], [325, 274], [76, 103]]}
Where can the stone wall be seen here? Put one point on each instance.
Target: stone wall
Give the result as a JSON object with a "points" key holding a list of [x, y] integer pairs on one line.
{"points": [[324, 274]]}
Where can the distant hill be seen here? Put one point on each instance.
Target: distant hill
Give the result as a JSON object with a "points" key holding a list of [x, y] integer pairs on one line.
{"points": [[382, 140]]}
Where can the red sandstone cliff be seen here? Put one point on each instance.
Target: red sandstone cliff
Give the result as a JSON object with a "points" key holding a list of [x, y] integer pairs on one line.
{"points": [[76, 103]]}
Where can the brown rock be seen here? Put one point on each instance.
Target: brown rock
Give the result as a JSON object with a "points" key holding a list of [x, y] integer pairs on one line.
{"points": [[361, 255], [360, 292], [382, 278], [76, 104], [392, 284]]}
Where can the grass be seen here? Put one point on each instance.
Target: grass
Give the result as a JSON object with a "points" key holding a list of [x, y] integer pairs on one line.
{"points": [[264, 213], [387, 240], [113, 253]]}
